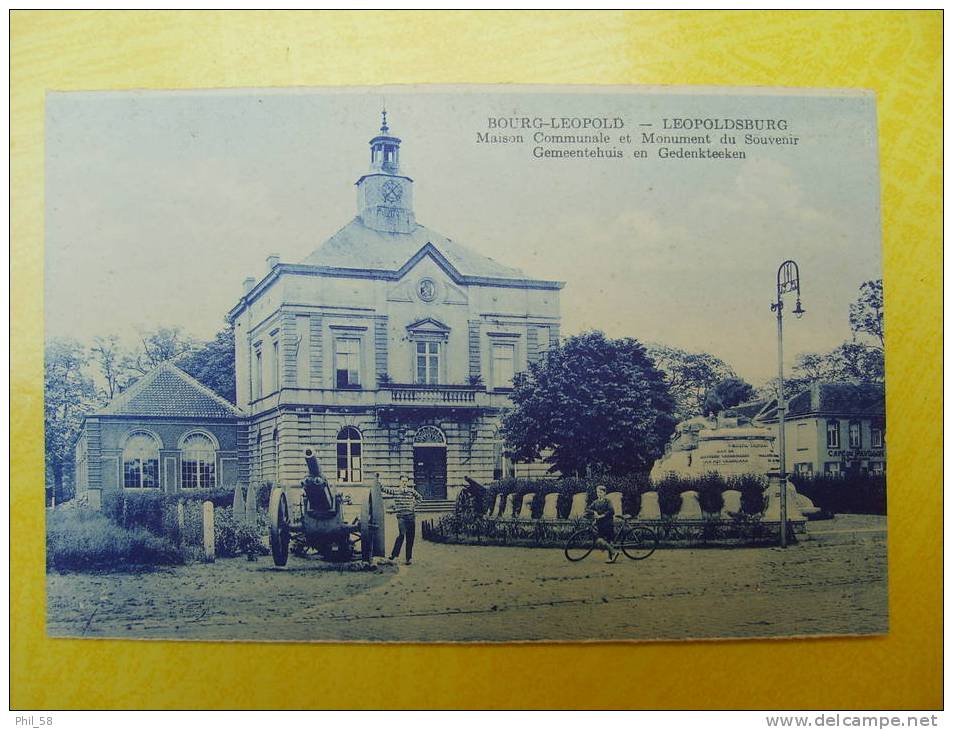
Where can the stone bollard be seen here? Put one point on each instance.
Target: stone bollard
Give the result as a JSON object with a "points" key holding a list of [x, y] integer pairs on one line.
{"points": [[550, 511], [579, 504], [615, 499], [650, 509], [732, 499], [251, 505], [691, 509], [526, 508], [238, 502], [208, 530], [508, 510], [180, 518]]}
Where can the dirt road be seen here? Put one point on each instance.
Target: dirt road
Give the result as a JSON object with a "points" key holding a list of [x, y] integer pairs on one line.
{"points": [[834, 581]]}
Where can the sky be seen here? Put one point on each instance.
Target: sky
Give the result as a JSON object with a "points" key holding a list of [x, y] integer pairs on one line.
{"points": [[159, 204]]}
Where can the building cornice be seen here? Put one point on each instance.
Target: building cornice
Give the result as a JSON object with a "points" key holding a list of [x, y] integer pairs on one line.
{"points": [[387, 275]]}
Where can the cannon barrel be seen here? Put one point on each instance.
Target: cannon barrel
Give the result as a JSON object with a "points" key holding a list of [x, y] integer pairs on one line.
{"points": [[314, 469]]}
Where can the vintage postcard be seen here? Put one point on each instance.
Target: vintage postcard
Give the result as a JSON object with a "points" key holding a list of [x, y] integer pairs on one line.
{"points": [[464, 363]]}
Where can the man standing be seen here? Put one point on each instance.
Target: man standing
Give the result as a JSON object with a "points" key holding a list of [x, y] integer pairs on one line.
{"points": [[405, 505], [603, 514]]}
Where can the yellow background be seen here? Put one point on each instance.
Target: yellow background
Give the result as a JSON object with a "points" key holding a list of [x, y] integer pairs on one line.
{"points": [[897, 54]]}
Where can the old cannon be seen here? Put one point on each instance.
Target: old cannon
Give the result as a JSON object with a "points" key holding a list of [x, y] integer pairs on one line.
{"points": [[314, 514]]}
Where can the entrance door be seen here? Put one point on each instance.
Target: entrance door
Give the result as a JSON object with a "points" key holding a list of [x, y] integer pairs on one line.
{"points": [[430, 471]]}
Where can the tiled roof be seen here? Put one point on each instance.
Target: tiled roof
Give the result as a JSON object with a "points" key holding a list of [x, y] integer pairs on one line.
{"points": [[358, 247], [834, 399], [748, 410], [169, 391]]}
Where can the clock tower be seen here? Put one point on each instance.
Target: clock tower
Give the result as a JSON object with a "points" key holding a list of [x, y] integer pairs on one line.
{"points": [[385, 198]]}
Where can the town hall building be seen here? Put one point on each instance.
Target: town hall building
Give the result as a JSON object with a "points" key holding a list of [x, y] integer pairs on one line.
{"points": [[390, 350]]}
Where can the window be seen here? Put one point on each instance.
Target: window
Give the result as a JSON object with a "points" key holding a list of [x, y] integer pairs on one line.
{"points": [[504, 365], [803, 436], [853, 435], [256, 383], [806, 468], [876, 467], [347, 356], [428, 363], [833, 434], [140, 461], [198, 462], [349, 455], [275, 366], [876, 437], [832, 468]]}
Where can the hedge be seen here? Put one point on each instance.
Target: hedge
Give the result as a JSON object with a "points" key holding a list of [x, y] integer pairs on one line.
{"points": [[863, 494]]}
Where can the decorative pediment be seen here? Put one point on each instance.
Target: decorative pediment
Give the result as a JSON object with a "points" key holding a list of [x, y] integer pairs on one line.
{"points": [[428, 326]]}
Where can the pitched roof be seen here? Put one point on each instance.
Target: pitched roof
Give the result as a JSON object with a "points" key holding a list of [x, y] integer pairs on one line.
{"points": [[169, 391], [357, 246], [833, 399], [748, 410]]}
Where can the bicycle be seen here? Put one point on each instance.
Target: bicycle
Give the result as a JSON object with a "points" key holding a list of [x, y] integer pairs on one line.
{"points": [[636, 542]]}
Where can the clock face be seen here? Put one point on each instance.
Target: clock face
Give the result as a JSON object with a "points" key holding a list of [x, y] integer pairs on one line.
{"points": [[427, 290], [391, 192]]}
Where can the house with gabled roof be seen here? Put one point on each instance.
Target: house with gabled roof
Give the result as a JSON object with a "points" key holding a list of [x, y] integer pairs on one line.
{"points": [[165, 432]]}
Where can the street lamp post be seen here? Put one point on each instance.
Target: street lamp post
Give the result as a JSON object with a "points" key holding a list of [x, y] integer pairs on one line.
{"points": [[789, 280]]}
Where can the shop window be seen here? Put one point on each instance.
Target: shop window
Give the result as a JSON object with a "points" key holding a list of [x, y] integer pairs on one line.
{"points": [[832, 468]]}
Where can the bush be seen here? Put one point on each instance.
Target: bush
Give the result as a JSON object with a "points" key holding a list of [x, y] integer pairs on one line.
{"points": [[753, 497], [79, 539], [670, 490], [155, 511], [235, 537], [846, 494], [710, 487]]}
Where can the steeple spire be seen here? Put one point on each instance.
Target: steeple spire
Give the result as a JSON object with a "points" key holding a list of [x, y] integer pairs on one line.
{"points": [[385, 148]]}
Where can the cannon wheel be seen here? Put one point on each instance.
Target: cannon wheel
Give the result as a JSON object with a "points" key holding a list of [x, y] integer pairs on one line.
{"points": [[279, 521], [367, 538]]}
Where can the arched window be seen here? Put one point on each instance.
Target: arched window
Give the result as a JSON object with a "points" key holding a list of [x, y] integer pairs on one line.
{"points": [[429, 436], [349, 454], [198, 462], [140, 461]]}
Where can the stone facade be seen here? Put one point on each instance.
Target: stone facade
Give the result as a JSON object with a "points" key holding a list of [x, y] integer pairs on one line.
{"points": [[390, 350]]}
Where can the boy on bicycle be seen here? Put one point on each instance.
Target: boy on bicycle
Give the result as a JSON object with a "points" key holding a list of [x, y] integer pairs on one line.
{"points": [[603, 514]]}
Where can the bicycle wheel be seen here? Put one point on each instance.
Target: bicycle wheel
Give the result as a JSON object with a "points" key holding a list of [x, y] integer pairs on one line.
{"points": [[580, 544], [638, 542]]}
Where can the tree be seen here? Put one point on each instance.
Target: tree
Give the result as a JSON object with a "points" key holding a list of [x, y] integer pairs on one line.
{"points": [[68, 394], [165, 343], [726, 394], [114, 366], [213, 364], [689, 375], [867, 312], [598, 404]]}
